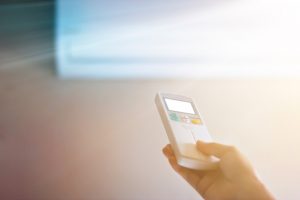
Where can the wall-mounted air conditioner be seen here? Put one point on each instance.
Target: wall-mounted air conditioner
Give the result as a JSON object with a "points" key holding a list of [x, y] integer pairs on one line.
{"points": [[177, 38]]}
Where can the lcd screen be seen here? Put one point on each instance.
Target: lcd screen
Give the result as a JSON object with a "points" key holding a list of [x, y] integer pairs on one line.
{"points": [[180, 106]]}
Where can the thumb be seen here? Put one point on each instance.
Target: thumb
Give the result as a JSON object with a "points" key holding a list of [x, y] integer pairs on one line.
{"points": [[214, 149]]}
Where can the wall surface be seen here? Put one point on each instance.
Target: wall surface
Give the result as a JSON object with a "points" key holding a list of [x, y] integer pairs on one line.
{"points": [[80, 139]]}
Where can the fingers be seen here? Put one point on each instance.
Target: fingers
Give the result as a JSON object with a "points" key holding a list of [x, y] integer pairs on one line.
{"points": [[168, 152], [205, 183], [173, 162], [214, 149], [191, 176]]}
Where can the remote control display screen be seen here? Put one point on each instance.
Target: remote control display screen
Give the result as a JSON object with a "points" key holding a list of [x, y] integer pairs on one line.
{"points": [[179, 106]]}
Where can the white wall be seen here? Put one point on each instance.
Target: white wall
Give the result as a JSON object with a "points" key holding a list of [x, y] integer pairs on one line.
{"points": [[103, 139]]}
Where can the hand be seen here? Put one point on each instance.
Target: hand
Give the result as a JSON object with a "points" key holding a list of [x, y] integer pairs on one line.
{"points": [[233, 179]]}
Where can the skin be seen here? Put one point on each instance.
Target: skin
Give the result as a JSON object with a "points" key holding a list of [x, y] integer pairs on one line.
{"points": [[234, 179]]}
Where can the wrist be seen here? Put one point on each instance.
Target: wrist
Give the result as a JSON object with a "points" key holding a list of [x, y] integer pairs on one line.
{"points": [[255, 189]]}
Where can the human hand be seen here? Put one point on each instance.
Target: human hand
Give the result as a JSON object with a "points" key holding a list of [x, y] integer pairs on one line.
{"points": [[234, 178]]}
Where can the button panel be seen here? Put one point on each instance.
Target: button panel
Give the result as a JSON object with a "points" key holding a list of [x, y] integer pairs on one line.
{"points": [[185, 118]]}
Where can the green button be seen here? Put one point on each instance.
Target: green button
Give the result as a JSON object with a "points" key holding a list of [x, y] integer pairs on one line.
{"points": [[174, 117]]}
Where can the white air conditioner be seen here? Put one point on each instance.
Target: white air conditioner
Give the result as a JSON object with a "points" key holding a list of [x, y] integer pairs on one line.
{"points": [[177, 38]]}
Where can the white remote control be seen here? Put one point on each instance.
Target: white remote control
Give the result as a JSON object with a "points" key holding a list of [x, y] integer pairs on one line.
{"points": [[184, 127]]}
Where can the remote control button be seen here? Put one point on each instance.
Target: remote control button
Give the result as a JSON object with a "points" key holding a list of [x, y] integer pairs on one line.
{"points": [[187, 121], [174, 117], [196, 121]]}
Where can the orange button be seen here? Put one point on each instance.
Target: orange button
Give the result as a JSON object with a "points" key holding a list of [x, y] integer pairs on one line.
{"points": [[196, 121]]}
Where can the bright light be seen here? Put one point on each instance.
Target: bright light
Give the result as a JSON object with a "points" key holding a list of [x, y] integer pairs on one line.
{"points": [[129, 38]]}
